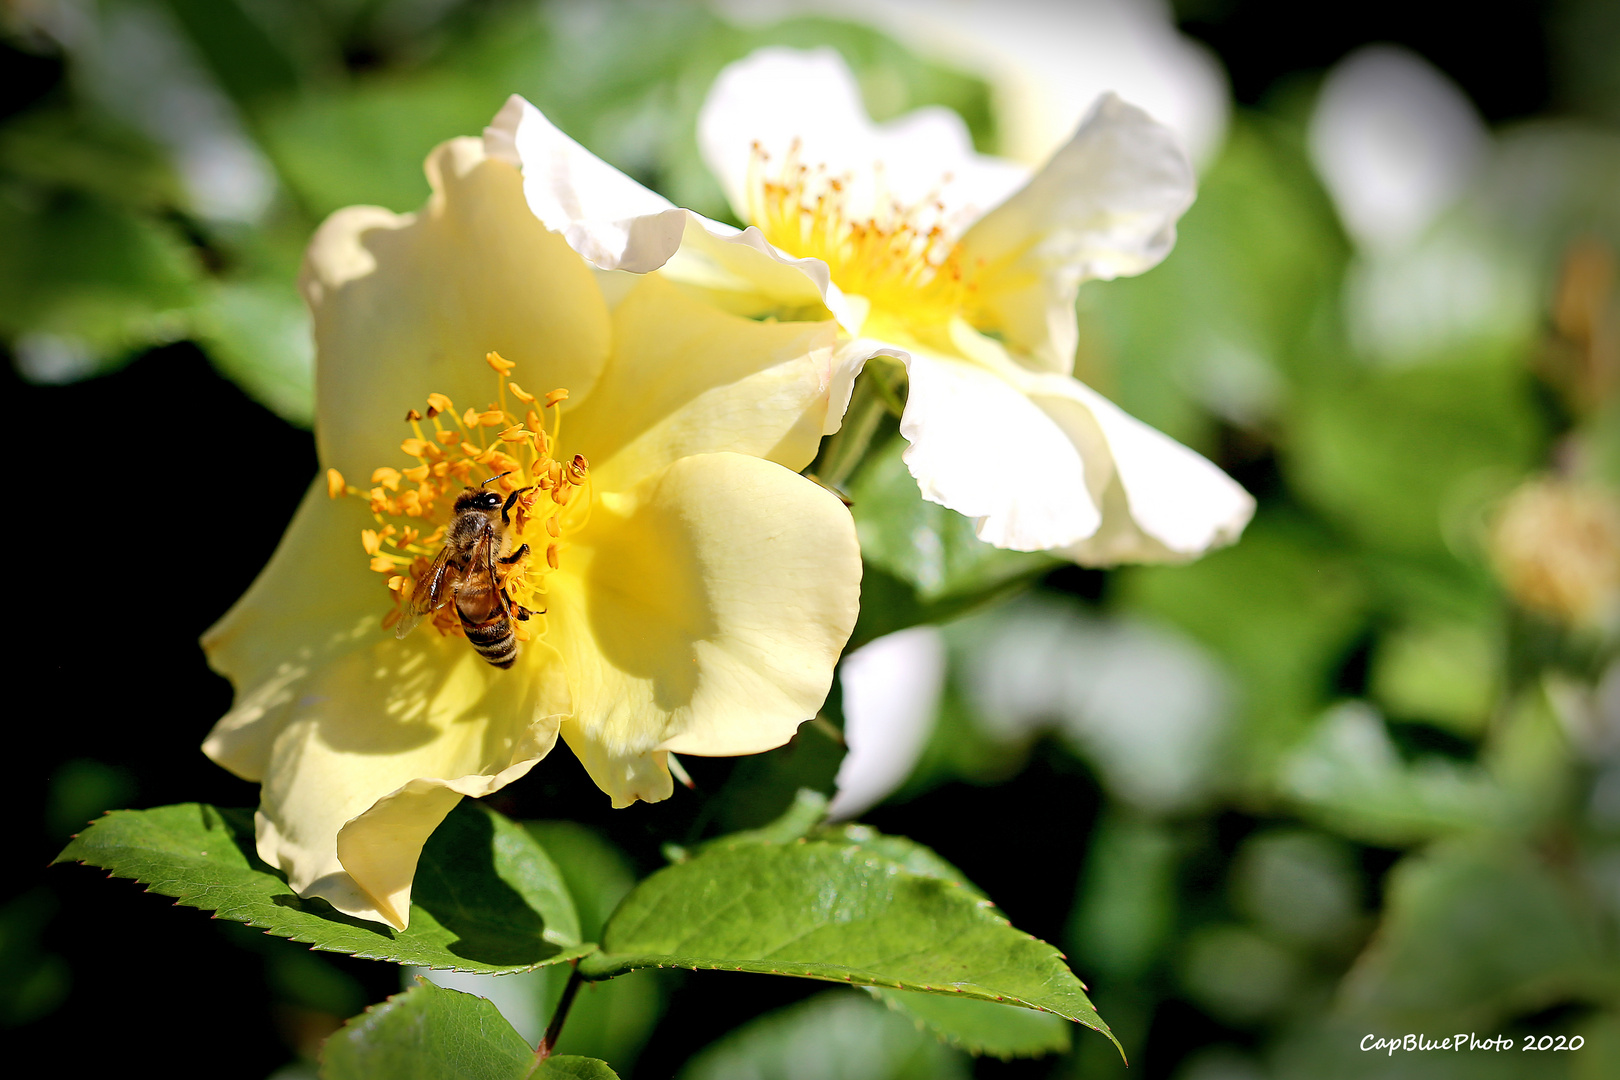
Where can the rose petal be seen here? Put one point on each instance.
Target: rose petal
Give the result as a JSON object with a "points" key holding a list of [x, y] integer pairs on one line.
{"points": [[1167, 504], [617, 224], [1106, 205], [689, 379], [379, 746], [781, 98], [980, 447], [702, 612], [391, 324]]}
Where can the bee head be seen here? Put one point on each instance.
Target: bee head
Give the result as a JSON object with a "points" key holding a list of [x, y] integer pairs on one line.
{"points": [[478, 499]]}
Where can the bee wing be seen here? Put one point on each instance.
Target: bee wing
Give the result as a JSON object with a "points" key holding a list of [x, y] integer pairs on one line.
{"points": [[478, 590], [429, 593]]}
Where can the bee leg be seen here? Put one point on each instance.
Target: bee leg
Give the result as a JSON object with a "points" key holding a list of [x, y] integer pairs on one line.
{"points": [[515, 556], [511, 500]]}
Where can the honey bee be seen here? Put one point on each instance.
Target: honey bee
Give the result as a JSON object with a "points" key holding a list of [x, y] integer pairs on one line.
{"points": [[464, 573]]}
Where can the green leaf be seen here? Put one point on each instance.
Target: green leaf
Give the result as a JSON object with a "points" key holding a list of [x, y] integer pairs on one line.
{"points": [[1349, 776], [833, 1036], [923, 544], [85, 283], [613, 1019], [573, 1067], [1480, 933], [487, 897], [857, 909], [982, 1027], [427, 1032], [258, 334]]}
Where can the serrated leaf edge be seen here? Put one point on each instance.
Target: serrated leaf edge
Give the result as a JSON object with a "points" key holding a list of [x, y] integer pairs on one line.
{"points": [[154, 888]]}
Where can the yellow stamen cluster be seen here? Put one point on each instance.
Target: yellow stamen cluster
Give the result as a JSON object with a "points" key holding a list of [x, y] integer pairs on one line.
{"points": [[492, 448], [901, 258]]}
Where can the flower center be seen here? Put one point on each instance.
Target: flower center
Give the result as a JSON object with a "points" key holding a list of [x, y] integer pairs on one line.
{"points": [[899, 256], [541, 500]]}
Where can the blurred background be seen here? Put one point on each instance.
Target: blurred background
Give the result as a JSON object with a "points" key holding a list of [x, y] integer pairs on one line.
{"points": [[1359, 774]]}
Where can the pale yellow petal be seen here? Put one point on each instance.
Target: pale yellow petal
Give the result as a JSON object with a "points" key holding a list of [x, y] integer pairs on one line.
{"points": [[378, 747], [314, 601], [981, 447], [627, 777], [408, 304], [702, 612], [617, 224], [1106, 205], [686, 378], [1165, 503]]}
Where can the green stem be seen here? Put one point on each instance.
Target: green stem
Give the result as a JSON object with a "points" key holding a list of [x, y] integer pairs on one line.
{"points": [[548, 1041], [849, 443]]}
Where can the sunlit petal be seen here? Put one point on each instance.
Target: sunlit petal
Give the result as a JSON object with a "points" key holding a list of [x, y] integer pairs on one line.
{"points": [[617, 224], [377, 749], [981, 447], [391, 323], [690, 379], [1167, 503], [1106, 205], [707, 609], [784, 101]]}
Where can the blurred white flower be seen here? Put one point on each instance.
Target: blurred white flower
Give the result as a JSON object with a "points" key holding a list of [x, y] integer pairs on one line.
{"points": [[1396, 143], [891, 690], [964, 268], [1148, 707], [132, 61], [1046, 63]]}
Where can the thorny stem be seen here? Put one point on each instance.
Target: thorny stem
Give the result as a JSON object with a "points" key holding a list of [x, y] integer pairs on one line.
{"points": [[548, 1041]]}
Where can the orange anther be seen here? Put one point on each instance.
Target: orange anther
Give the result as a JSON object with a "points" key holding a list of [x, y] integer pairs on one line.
{"points": [[520, 393], [553, 556], [498, 362], [449, 438], [438, 403], [513, 434], [334, 483], [416, 474], [556, 396], [388, 478], [370, 541], [382, 564], [412, 416], [553, 527], [493, 418], [415, 448]]}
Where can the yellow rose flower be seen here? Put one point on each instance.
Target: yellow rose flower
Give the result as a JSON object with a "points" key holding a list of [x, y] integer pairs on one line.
{"points": [[962, 267], [685, 589]]}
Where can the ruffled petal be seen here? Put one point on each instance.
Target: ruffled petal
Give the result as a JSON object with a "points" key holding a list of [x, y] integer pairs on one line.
{"points": [[393, 321], [686, 378], [313, 602], [1106, 205], [781, 99], [1165, 503], [379, 742], [701, 612], [617, 224], [979, 446], [363, 742]]}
